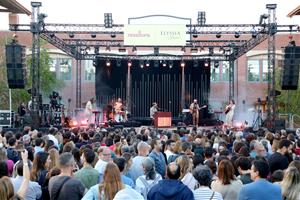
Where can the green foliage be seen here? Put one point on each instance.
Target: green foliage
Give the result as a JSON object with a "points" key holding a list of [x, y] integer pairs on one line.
{"points": [[288, 101], [48, 81]]}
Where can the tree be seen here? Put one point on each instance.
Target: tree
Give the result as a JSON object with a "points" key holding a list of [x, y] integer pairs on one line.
{"points": [[48, 81]]}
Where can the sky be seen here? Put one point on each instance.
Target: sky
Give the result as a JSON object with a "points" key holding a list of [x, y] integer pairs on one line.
{"points": [[217, 11]]}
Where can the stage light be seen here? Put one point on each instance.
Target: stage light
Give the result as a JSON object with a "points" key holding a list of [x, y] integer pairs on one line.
{"points": [[201, 18], [71, 35], [195, 35], [141, 63], [112, 35], [147, 63], [207, 62], [216, 64], [93, 35], [237, 35], [84, 122], [129, 63], [170, 64], [108, 63], [182, 64], [218, 35], [164, 63], [108, 21]]}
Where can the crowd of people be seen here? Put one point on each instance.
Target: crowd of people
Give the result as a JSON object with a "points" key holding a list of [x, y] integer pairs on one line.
{"points": [[146, 163]]}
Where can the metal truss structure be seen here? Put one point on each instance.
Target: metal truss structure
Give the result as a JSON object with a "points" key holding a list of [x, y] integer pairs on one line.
{"points": [[220, 42]]}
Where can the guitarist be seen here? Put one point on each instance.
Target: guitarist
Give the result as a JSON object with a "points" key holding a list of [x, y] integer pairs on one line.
{"points": [[194, 109], [229, 112]]}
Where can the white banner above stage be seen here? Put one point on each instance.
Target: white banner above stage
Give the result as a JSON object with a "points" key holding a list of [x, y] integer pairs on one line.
{"points": [[155, 35]]}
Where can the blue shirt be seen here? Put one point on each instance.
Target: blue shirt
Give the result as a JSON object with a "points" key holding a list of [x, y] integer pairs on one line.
{"points": [[260, 189], [127, 181], [160, 162], [33, 192]]}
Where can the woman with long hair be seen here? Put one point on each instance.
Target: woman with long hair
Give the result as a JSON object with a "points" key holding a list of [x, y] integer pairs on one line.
{"points": [[186, 176], [39, 172], [54, 156], [150, 177], [290, 184], [226, 183], [9, 163], [109, 187]]}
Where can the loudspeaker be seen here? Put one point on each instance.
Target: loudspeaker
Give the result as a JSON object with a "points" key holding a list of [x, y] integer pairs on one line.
{"points": [[279, 124], [15, 63], [290, 73]]}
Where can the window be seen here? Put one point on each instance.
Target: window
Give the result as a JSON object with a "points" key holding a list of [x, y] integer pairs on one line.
{"points": [[265, 70], [65, 69], [253, 70], [215, 74], [225, 71], [53, 63], [89, 71]]}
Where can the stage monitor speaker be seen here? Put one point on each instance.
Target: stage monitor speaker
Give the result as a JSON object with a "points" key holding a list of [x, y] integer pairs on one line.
{"points": [[290, 73], [15, 63], [279, 124]]}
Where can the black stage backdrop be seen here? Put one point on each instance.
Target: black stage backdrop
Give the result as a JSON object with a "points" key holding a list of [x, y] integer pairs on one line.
{"points": [[155, 83]]}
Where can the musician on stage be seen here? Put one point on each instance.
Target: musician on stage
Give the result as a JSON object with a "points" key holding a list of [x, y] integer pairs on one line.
{"points": [[229, 111], [119, 110], [153, 109], [89, 110], [194, 109], [22, 109]]}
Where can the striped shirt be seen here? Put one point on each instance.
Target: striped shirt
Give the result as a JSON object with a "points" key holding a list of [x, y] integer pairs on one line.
{"points": [[204, 193]]}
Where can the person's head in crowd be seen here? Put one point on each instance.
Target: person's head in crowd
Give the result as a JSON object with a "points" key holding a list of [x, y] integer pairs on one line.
{"points": [[212, 166], [250, 137], [170, 145], [277, 176], [48, 144], [173, 171], [208, 153], [197, 160], [3, 169], [244, 151], [26, 139], [295, 163], [275, 145], [149, 168], [54, 156], [128, 161], [290, 184], [265, 143], [225, 153], [39, 142], [3, 154], [19, 167], [104, 154], [53, 172], [175, 137], [257, 149], [66, 163], [12, 142], [203, 175], [259, 169], [291, 137], [186, 148], [41, 162], [185, 165], [120, 162], [87, 157], [285, 147], [237, 146], [6, 189], [156, 145], [76, 155], [84, 137], [68, 147], [226, 172], [8, 135], [143, 148], [243, 164], [111, 181], [30, 151]]}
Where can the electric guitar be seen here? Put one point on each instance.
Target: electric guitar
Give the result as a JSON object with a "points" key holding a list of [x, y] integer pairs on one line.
{"points": [[195, 110], [227, 109]]}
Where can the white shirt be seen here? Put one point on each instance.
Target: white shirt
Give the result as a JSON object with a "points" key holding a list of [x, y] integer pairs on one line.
{"points": [[169, 153], [189, 181], [204, 193], [100, 166]]}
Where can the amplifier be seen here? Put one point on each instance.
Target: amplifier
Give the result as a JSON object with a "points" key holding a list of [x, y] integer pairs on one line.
{"points": [[5, 118]]}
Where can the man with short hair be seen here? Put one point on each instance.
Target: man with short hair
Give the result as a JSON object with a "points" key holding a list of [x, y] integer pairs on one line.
{"points": [[279, 159], [104, 157], [136, 168], [260, 188], [243, 165], [170, 188], [87, 174], [64, 186], [34, 190], [158, 157]]}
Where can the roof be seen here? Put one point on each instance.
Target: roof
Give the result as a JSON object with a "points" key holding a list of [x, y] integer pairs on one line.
{"points": [[14, 7], [294, 12]]}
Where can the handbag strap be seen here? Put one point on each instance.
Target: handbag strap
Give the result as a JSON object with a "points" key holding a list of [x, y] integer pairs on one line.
{"points": [[56, 195], [212, 196]]}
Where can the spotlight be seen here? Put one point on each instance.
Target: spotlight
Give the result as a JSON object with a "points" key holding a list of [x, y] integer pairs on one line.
{"points": [[141, 63], [164, 63], [207, 62], [108, 21], [195, 35], [182, 64], [129, 63], [218, 35], [237, 34], [93, 35], [170, 64], [147, 63], [71, 35], [108, 63], [216, 64]]}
